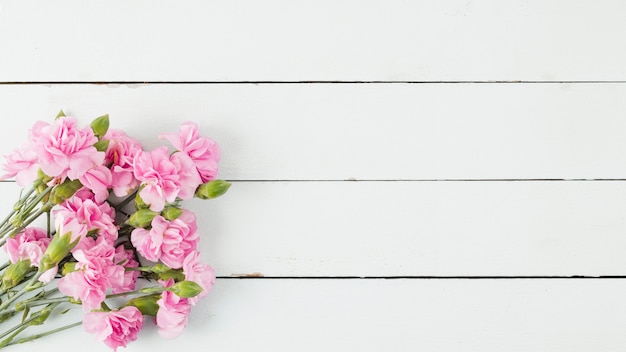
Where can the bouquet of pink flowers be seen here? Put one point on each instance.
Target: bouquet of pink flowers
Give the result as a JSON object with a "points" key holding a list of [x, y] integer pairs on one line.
{"points": [[117, 242]]}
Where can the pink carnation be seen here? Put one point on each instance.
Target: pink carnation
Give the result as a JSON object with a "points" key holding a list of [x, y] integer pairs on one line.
{"points": [[200, 273], [126, 258], [88, 216], [189, 177], [204, 151], [21, 164], [65, 226], [29, 244], [119, 155], [95, 273], [115, 328], [168, 241], [158, 176], [173, 313], [98, 180], [64, 149]]}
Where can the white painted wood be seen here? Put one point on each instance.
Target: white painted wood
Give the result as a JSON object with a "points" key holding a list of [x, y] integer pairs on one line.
{"points": [[362, 131], [282, 40], [368, 132], [419, 228], [393, 315], [412, 228]]}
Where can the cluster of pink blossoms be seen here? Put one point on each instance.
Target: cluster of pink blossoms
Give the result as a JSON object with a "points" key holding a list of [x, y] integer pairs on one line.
{"points": [[82, 176]]}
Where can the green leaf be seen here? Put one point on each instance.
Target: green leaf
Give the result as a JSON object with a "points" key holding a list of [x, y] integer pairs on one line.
{"points": [[100, 126], [102, 145]]}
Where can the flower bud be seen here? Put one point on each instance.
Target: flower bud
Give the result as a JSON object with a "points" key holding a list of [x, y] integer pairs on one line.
{"points": [[15, 274], [147, 305], [42, 180], [100, 126], [212, 189], [170, 213], [57, 250], [64, 191], [185, 289], [142, 218], [139, 203], [68, 267], [160, 268], [20, 306], [175, 274], [102, 145], [41, 316]]}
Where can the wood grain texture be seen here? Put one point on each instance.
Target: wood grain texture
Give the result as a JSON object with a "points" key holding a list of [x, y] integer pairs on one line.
{"points": [[465, 123], [361, 131], [412, 228], [282, 40], [394, 315]]}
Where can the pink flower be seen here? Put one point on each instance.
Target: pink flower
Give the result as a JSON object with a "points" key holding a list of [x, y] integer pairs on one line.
{"points": [[59, 247], [168, 241], [98, 180], [173, 313], [21, 164], [95, 273], [189, 176], [204, 151], [64, 149], [88, 216], [126, 258], [49, 274], [119, 155], [200, 273], [68, 224], [115, 328], [29, 244], [158, 176]]}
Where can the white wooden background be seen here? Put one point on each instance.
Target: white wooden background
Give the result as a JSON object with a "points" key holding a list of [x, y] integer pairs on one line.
{"points": [[407, 175]]}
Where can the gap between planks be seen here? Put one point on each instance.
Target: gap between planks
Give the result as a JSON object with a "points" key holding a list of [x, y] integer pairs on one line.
{"points": [[257, 276], [427, 180], [316, 82]]}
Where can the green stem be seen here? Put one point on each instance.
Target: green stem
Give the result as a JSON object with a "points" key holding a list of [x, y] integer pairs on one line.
{"points": [[6, 304], [48, 223], [37, 200], [23, 199], [9, 340], [16, 230], [43, 334], [19, 286], [26, 323], [46, 301], [141, 268], [26, 212], [37, 299], [145, 290], [19, 327]]}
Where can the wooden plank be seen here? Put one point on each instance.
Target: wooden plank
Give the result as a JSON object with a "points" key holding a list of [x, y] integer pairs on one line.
{"points": [[413, 228], [418, 228], [279, 40], [361, 131], [393, 315]]}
